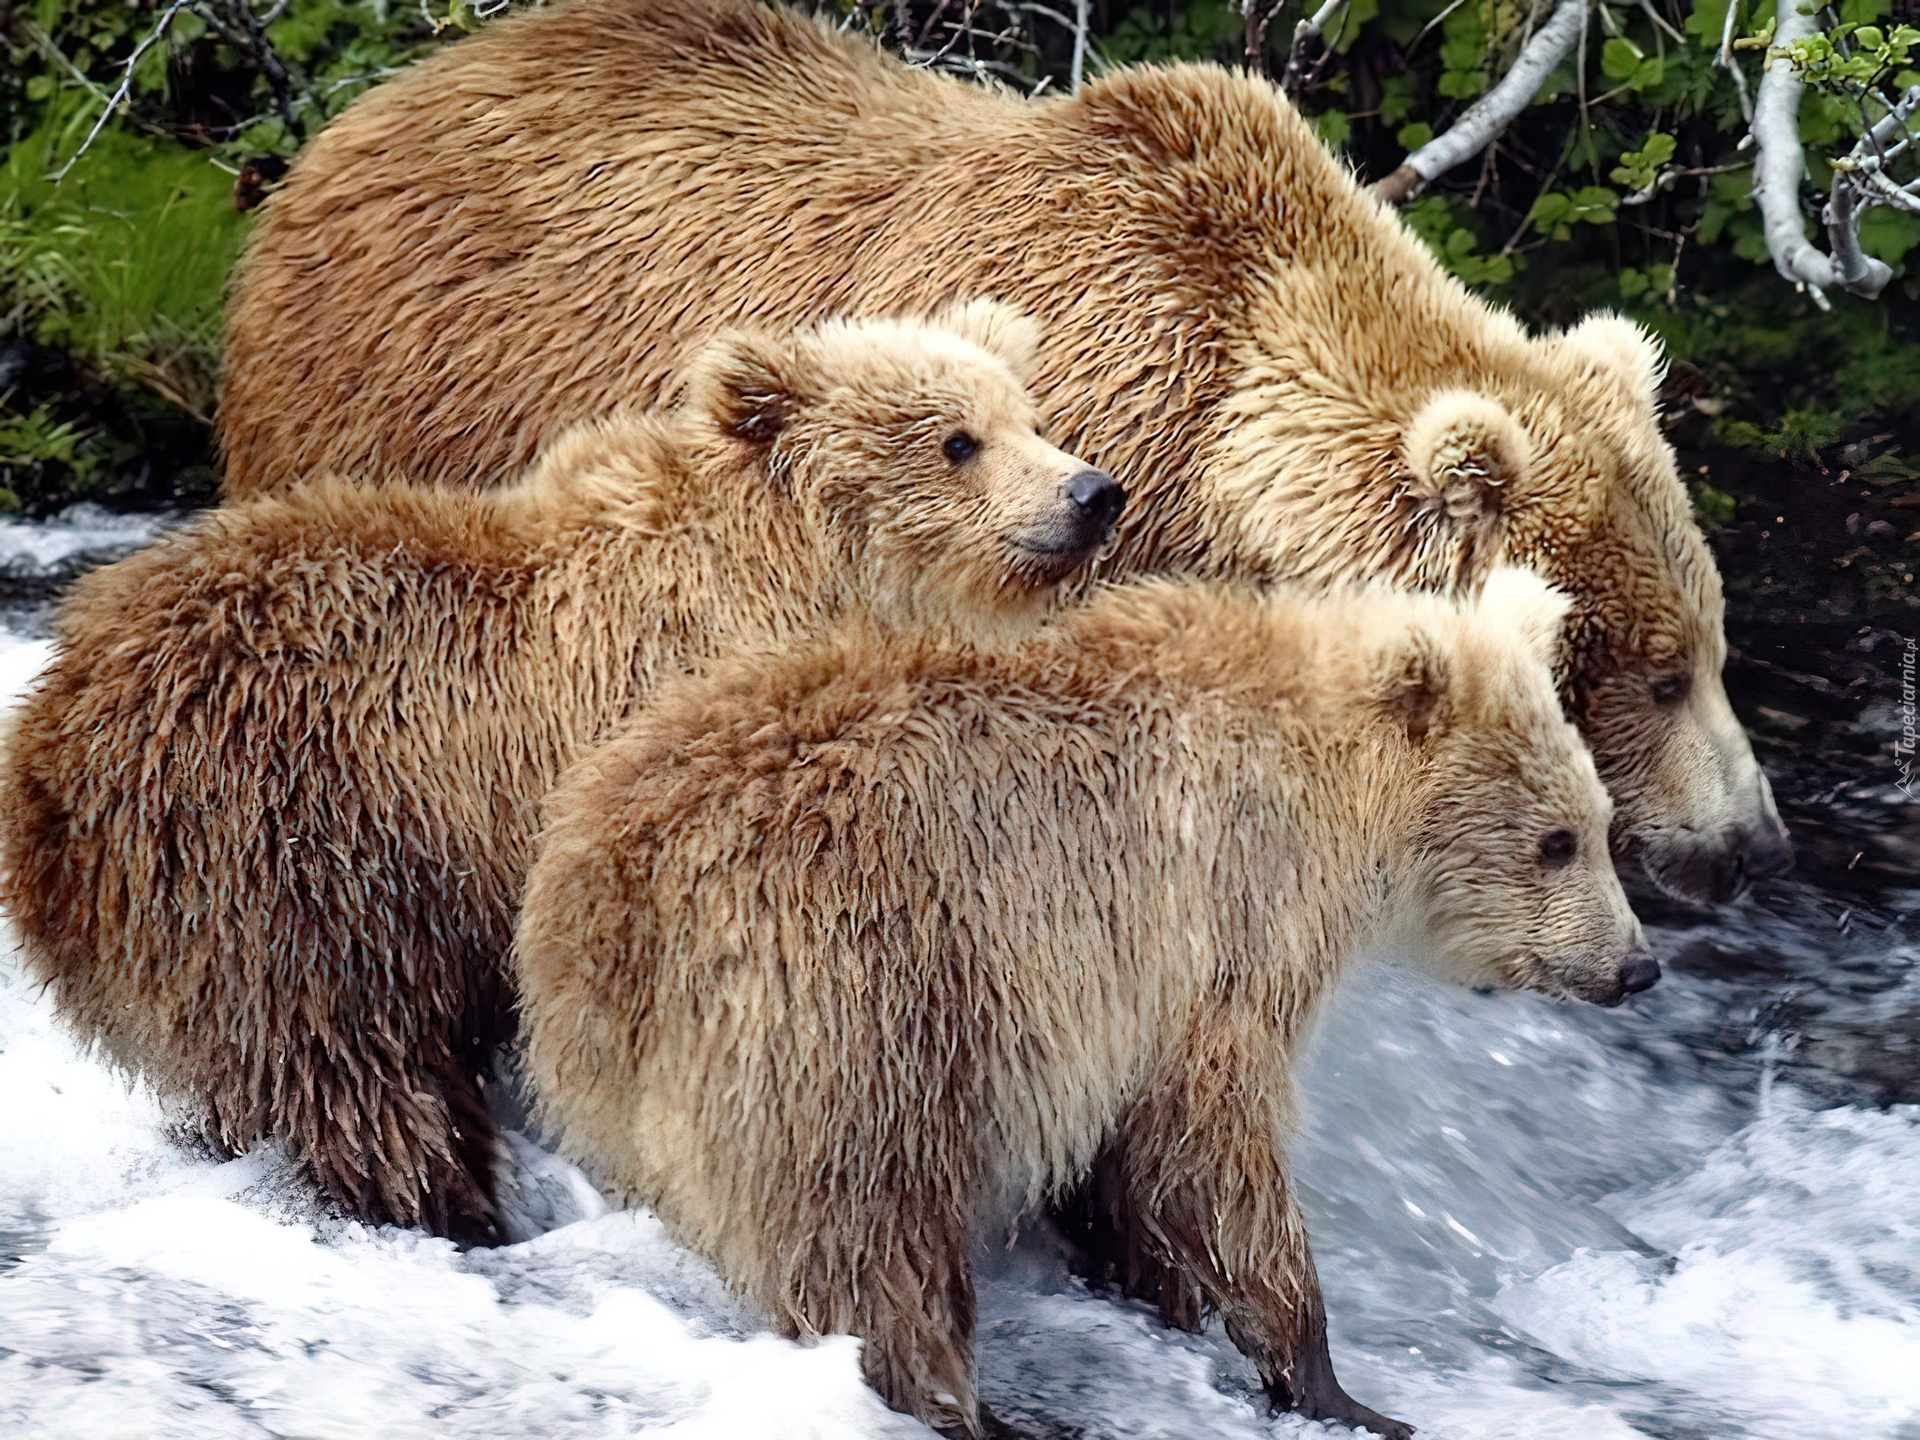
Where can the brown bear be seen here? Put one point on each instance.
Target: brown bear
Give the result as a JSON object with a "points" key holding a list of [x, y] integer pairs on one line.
{"points": [[534, 224], [264, 822], [825, 951]]}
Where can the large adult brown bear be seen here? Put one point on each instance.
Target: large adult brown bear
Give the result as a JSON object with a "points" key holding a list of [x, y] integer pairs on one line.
{"points": [[532, 227]]}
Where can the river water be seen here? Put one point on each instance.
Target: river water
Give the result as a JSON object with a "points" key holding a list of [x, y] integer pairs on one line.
{"points": [[1693, 1218]]}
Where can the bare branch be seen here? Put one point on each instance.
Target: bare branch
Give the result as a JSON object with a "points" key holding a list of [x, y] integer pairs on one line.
{"points": [[1726, 61], [119, 95], [1779, 166], [1308, 27], [1866, 167], [1488, 117]]}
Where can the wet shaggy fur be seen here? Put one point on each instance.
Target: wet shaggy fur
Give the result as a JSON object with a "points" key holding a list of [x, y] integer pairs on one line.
{"points": [[1293, 385], [266, 816], [824, 954]]}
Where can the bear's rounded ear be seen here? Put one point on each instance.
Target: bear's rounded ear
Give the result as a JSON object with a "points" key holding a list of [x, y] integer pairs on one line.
{"points": [[1412, 677], [1468, 455], [1012, 335], [1621, 348], [750, 384], [1519, 600]]}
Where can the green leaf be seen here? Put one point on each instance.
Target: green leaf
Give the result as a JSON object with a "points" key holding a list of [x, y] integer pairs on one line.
{"points": [[1333, 128], [1638, 169], [39, 87], [1888, 234], [1396, 102], [1863, 12], [1619, 59], [1412, 137]]}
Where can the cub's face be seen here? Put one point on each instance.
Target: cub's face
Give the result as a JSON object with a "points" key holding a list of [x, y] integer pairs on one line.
{"points": [[1518, 885], [916, 456]]}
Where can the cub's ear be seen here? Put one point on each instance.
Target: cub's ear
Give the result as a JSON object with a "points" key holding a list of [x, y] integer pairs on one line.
{"points": [[749, 384], [1621, 348], [1468, 455], [1412, 676], [1012, 335], [1521, 601]]}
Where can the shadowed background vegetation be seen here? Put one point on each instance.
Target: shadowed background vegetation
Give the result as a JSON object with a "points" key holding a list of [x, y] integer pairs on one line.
{"points": [[1623, 185]]}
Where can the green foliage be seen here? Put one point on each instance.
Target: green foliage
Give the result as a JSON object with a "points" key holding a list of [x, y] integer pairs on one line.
{"points": [[1202, 30], [1850, 56], [1557, 212], [1639, 199], [1626, 65], [123, 264], [1804, 431], [1456, 245], [1333, 128], [1647, 284], [1638, 169], [1713, 508]]}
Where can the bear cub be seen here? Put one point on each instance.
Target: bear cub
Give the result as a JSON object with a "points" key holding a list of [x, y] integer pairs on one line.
{"points": [[265, 820], [825, 951]]}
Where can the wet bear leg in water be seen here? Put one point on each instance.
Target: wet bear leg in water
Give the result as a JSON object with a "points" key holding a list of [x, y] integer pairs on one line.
{"points": [[1188, 1207]]}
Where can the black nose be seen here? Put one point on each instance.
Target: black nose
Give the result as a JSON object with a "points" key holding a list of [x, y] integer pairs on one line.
{"points": [[1766, 853], [1098, 497], [1639, 972]]}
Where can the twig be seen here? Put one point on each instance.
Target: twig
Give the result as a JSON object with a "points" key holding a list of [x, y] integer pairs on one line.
{"points": [[1660, 23], [1726, 61], [1258, 18], [120, 91], [1308, 27], [1488, 117], [1427, 28]]}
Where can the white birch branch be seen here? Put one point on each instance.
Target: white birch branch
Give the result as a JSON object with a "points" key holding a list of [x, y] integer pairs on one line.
{"points": [[1488, 117], [1867, 165], [1080, 40], [1726, 61], [1779, 166]]}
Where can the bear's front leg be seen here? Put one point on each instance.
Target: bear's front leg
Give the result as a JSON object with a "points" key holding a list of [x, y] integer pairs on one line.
{"points": [[1196, 1182]]}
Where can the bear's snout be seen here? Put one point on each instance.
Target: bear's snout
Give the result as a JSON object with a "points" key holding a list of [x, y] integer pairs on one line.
{"points": [[1639, 972], [1098, 498]]}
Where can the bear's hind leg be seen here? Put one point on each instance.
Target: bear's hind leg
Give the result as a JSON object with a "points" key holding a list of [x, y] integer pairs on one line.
{"points": [[395, 1141]]}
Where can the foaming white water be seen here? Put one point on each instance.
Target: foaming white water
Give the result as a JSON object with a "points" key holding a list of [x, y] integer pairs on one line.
{"points": [[1533, 1223]]}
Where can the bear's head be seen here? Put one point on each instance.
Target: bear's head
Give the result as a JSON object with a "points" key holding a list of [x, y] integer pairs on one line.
{"points": [[1564, 468], [913, 453], [1515, 885], [1429, 439]]}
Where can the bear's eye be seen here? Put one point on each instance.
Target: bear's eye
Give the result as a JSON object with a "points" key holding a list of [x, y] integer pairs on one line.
{"points": [[1670, 690], [959, 448], [1557, 848]]}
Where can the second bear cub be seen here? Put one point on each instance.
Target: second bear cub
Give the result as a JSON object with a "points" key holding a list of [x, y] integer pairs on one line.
{"points": [[826, 950], [267, 815]]}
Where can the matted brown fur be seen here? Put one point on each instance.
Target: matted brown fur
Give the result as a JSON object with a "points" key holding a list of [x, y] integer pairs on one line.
{"points": [[534, 224], [267, 813], [825, 952]]}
